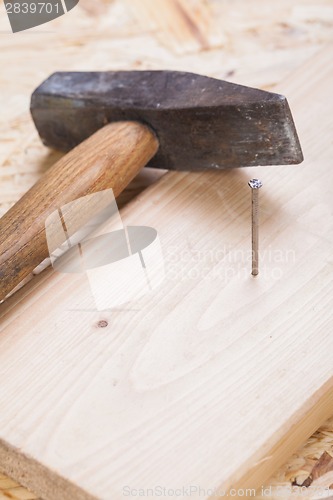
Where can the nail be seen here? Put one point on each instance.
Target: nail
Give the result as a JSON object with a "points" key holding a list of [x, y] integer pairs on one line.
{"points": [[255, 185]]}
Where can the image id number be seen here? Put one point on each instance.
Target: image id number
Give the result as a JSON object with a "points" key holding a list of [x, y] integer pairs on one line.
{"points": [[32, 8]]}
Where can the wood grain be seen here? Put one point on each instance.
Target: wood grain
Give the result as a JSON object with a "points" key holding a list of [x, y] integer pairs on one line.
{"points": [[206, 379], [110, 158], [12, 490]]}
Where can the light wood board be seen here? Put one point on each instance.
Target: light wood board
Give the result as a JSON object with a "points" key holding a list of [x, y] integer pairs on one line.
{"points": [[212, 378], [258, 43]]}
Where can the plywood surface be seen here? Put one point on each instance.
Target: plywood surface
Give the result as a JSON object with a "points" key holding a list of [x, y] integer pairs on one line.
{"points": [[208, 380]]}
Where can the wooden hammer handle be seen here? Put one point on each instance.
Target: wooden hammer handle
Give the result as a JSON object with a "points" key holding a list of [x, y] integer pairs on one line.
{"points": [[109, 159]]}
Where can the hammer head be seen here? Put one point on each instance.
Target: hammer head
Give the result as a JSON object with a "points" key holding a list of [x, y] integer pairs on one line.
{"points": [[201, 123]]}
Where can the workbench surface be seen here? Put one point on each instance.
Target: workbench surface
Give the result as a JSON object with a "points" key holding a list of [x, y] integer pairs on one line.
{"points": [[252, 43]]}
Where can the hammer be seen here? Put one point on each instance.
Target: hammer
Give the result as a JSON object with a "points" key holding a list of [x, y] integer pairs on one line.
{"points": [[118, 122]]}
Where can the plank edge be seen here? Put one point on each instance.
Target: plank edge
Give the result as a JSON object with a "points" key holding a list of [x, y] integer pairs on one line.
{"points": [[39, 479]]}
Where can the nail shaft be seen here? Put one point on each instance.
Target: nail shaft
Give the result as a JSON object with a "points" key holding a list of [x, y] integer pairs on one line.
{"points": [[255, 184]]}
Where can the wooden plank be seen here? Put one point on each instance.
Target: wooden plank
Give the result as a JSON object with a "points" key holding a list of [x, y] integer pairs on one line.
{"points": [[182, 25], [208, 380]]}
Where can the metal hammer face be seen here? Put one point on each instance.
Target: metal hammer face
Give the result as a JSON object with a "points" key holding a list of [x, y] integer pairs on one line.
{"points": [[201, 123]]}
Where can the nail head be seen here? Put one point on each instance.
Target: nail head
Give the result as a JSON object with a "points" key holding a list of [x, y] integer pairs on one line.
{"points": [[255, 184]]}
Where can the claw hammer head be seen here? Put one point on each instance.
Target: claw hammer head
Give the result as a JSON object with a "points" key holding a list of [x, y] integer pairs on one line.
{"points": [[201, 123]]}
